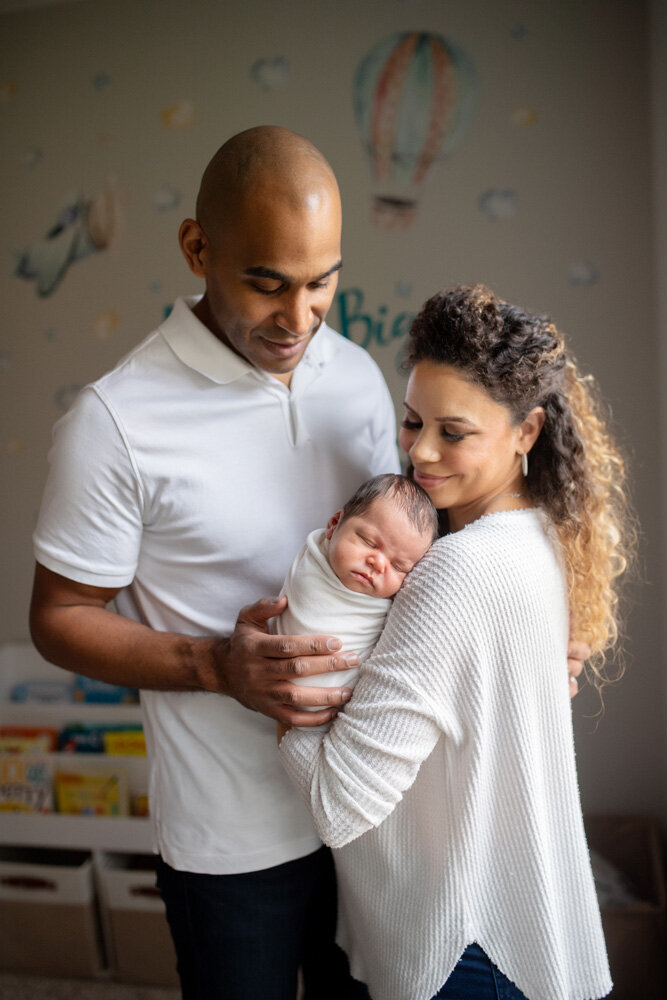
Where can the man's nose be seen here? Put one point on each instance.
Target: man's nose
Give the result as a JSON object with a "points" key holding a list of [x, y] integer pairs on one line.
{"points": [[295, 315]]}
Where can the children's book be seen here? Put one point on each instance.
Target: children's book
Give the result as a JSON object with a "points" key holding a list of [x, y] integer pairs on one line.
{"points": [[26, 739], [26, 783], [114, 739], [99, 692], [125, 742], [94, 792]]}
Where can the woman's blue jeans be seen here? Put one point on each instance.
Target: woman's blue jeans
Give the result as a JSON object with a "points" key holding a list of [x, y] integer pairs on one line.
{"points": [[477, 978]]}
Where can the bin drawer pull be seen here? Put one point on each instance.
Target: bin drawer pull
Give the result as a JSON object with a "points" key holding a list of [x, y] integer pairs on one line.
{"points": [[145, 890], [27, 882]]}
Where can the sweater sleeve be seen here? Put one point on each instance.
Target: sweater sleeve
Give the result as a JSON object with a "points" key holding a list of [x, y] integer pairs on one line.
{"points": [[354, 776]]}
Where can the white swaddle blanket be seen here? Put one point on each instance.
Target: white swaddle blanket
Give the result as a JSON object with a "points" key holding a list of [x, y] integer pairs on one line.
{"points": [[319, 604]]}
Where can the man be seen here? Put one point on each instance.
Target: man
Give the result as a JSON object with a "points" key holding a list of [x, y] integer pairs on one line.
{"points": [[182, 484]]}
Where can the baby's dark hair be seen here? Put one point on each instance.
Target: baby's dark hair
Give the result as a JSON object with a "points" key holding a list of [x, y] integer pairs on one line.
{"points": [[410, 497]]}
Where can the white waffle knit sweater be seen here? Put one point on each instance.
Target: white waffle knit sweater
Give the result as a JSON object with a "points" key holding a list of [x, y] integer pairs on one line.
{"points": [[455, 761]]}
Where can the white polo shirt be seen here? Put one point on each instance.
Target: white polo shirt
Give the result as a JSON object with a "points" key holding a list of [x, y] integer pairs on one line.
{"points": [[191, 479]]}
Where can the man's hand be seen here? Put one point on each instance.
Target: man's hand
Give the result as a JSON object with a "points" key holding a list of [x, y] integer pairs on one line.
{"points": [[256, 668], [577, 653]]}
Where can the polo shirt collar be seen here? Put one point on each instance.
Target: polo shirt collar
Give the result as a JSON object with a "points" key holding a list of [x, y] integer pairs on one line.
{"points": [[195, 345]]}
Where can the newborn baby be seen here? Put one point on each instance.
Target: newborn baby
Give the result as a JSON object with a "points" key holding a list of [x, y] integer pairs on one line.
{"points": [[342, 581]]}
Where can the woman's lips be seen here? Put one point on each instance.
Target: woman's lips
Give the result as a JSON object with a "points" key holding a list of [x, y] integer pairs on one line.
{"points": [[426, 480]]}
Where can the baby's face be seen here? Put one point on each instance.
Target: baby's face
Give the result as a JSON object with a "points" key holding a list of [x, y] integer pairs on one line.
{"points": [[371, 553]]}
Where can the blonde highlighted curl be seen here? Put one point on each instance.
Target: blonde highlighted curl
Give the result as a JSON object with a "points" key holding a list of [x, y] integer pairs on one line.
{"points": [[576, 472]]}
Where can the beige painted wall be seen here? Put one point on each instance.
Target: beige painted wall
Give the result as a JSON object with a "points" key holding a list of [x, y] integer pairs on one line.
{"points": [[561, 137], [658, 34]]}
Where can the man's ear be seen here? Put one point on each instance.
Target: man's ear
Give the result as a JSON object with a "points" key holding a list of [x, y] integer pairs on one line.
{"points": [[530, 428], [194, 246], [333, 523]]}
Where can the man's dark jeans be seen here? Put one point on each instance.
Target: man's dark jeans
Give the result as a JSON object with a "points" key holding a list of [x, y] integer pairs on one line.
{"points": [[243, 937]]}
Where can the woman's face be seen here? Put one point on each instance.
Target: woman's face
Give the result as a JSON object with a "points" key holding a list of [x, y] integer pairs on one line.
{"points": [[462, 444]]}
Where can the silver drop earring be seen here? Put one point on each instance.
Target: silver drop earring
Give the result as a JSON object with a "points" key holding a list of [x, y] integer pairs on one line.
{"points": [[524, 464]]}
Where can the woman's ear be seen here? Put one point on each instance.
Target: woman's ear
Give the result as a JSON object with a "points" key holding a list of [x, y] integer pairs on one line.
{"points": [[333, 523], [530, 428]]}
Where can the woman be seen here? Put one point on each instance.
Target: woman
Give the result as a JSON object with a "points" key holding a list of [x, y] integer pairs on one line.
{"points": [[455, 756]]}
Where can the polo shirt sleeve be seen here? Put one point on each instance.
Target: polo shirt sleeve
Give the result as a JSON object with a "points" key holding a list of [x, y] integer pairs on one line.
{"points": [[90, 522]]}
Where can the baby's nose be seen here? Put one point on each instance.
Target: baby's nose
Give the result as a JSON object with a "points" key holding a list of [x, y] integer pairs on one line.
{"points": [[377, 561]]}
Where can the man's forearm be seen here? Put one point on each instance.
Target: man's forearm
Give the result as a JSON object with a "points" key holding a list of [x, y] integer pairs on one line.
{"points": [[98, 643], [71, 626]]}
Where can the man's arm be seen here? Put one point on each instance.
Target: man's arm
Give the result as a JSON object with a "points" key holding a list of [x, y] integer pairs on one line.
{"points": [[72, 627]]}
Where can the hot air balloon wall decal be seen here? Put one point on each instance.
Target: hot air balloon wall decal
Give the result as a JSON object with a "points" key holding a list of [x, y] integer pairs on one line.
{"points": [[413, 97]]}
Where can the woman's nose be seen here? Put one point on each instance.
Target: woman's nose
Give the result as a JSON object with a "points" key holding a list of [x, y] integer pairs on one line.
{"points": [[424, 450]]}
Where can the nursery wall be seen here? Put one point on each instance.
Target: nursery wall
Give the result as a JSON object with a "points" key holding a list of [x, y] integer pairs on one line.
{"points": [[547, 190]]}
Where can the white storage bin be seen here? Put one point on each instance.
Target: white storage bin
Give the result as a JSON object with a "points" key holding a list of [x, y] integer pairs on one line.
{"points": [[143, 951], [48, 914]]}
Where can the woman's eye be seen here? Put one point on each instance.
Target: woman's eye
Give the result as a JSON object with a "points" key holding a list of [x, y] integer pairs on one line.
{"points": [[452, 437], [410, 425]]}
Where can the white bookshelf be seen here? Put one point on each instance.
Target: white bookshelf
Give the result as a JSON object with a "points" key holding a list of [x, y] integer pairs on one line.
{"points": [[20, 662], [126, 834], [112, 845], [57, 715]]}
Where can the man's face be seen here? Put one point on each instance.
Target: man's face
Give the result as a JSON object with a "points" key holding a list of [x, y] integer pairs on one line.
{"points": [[271, 277]]}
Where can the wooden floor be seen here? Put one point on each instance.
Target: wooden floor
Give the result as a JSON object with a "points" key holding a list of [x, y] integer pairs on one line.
{"points": [[18, 987]]}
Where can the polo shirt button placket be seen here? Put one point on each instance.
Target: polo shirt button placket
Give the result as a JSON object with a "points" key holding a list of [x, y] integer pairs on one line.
{"points": [[294, 418]]}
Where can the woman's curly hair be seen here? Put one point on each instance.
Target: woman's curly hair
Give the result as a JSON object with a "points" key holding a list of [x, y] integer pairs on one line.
{"points": [[576, 473]]}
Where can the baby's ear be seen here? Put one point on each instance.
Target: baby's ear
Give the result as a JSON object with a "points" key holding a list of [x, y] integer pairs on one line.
{"points": [[333, 523]]}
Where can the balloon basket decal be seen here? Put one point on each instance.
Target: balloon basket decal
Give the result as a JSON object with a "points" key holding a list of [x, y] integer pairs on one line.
{"points": [[413, 98]]}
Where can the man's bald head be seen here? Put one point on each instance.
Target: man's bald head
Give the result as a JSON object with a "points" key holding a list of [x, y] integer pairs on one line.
{"points": [[266, 159], [266, 241]]}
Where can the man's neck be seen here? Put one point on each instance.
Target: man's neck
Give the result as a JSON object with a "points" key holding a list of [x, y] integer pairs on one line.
{"points": [[203, 313]]}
